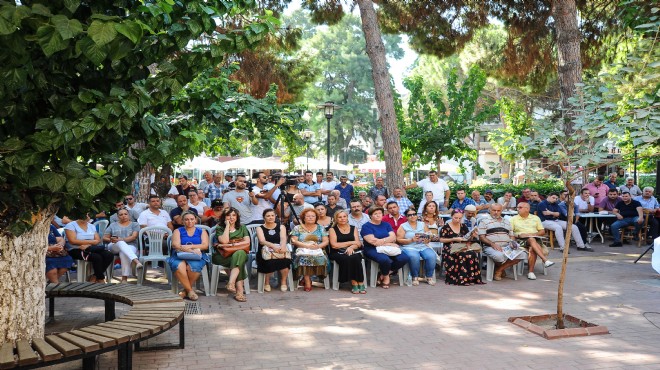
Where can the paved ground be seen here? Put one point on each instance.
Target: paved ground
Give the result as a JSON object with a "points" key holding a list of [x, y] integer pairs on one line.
{"points": [[419, 327]]}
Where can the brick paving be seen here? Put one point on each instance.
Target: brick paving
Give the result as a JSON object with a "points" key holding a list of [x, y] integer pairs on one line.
{"points": [[417, 327]]}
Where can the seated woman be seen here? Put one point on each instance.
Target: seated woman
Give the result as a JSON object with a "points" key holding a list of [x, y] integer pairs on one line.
{"points": [[188, 239], [307, 238], [272, 235], [232, 250], [415, 244], [377, 233], [462, 267], [324, 219], [345, 248], [121, 237], [212, 215], [58, 260], [432, 224], [84, 241]]}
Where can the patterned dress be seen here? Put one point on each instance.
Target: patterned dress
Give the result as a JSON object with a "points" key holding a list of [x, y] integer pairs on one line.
{"points": [[310, 265], [462, 268]]}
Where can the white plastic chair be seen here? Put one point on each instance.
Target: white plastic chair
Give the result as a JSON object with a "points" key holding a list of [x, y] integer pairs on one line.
{"points": [[156, 235], [373, 274], [335, 273], [261, 277], [204, 274], [254, 248], [215, 275], [490, 269], [168, 208], [406, 269], [101, 225]]}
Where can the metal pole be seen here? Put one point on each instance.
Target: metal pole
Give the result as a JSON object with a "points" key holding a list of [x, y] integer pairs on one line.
{"points": [[307, 169], [635, 168], [328, 146]]}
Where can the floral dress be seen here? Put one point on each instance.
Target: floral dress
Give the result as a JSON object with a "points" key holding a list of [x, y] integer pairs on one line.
{"points": [[462, 268], [305, 264]]}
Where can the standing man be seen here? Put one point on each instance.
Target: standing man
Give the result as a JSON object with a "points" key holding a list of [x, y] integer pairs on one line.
{"points": [[461, 202], [550, 215], [319, 181], [346, 191], [611, 182], [208, 179], [598, 189], [184, 186], [134, 208], [628, 212], [309, 189], [182, 206], [379, 189], [630, 187], [241, 199], [394, 217], [263, 191], [495, 233], [528, 226], [154, 216], [436, 185], [215, 189], [650, 204], [402, 201], [328, 185]]}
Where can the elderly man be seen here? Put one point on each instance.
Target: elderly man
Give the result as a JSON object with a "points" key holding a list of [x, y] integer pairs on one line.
{"points": [[461, 202], [401, 200], [299, 205], [528, 226], [436, 185], [611, 182], [598, 189], [480, 202], [394, 216], [346, 190], [367, 202], [357, 218], [629, 212], [361, 195], [550, 215], [333, 207], [215, 189], [340, 201], [650, 204], [495, 233], [208, 179], [182, 206], [379, 189], [507, 201], [630, 187], [154, 216], [241, 199], [470, 216]]}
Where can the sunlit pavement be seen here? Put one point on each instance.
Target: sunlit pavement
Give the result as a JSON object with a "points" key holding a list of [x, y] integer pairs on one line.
{"points": [[417, 327]]}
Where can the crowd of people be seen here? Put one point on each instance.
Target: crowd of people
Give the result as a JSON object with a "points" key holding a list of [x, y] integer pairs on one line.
{"points": [[324, 221]]}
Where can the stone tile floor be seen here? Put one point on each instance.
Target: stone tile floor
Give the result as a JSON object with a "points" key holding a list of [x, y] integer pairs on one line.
{"points": [[441, 327]]}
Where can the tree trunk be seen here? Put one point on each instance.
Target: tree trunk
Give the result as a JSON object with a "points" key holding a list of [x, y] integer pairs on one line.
{"points": [[569, 62], [384, 99], [23, 282], [570, 206], [143, 182]]}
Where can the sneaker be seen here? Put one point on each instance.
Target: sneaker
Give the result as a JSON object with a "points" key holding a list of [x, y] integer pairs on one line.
{"points": [[548, 263], [531, 276], [585, 249], [616, 244]]}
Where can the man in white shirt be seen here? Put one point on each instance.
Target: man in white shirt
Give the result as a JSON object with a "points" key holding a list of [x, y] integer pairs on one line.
{"points": [[436, 185], [650, 204], [328, 185], [357, 218], [585, 202], [154, 216], [134, 208], [263, 191]]}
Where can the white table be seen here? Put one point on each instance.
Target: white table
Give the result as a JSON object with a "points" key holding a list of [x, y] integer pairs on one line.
{"points": [[592, 219]]}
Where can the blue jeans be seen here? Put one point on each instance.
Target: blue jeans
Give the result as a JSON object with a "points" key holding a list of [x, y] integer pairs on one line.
{"points": [[385, 262], [628, 221], [427, 254]]}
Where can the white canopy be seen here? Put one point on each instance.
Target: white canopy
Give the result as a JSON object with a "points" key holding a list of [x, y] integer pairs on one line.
{"points": [[202, 163], [253, 163], [301, 163]]}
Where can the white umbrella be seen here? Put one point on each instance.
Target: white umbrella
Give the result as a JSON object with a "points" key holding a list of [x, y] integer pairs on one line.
{"points": [[301, 162], [376, 166], [254, 163], [444, 167], [202, 163]]}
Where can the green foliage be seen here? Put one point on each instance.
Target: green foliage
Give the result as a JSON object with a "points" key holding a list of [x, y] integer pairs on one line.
{"points": [[82, 82], [436, 124]]}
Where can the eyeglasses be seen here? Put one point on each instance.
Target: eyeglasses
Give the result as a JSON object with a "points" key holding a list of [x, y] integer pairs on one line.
{"points": [[128, 198]]}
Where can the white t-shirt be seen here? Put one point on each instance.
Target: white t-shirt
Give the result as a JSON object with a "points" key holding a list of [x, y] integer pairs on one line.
{"points": [[325, 185], [438, 188], [264, 204], [199, 207], [169, 201], [135, 211], [581, 204], [154, 219]]}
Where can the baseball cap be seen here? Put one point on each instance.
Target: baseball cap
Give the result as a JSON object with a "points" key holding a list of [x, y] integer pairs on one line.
{"points": [[488, 191]]}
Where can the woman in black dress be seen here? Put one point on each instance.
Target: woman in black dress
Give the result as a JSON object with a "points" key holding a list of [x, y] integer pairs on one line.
{"points": [[273, 236], [345, 249], [462, 268]]}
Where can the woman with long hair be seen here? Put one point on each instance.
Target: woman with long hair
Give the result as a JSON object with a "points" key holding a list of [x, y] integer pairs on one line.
{"points": [[232, 250]]}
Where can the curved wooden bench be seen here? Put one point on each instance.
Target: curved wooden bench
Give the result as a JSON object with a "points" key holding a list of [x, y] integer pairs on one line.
{"points": [[153, 312]]}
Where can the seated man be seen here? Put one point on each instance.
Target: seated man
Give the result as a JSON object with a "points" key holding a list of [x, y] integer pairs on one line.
{"points": [[628, 213], [340, 201], [394, 216], [470, 217], [650, 204], [182, 206], [550, 215], [527, 226], [495, 233], [461, 202], [332, 207], [508, 201]]}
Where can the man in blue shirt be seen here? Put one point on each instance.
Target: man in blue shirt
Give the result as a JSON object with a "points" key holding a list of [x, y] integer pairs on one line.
{"points": [[345, 189], [550, 215], [309, 189], [611, 183], [649, 204], [462, 201]]}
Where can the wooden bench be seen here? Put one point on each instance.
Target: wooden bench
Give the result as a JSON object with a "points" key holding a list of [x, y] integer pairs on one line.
{"points": [[153, 312]]}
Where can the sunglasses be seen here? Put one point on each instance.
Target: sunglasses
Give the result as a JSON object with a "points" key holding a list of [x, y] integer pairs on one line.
{"points": [[411, 214]]}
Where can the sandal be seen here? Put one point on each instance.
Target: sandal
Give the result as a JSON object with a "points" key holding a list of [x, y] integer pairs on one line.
{"points": [[415, 281], [192, 295], [231, 287], [363, 289], [355, 289], [240, 297], [284, 288], [385, 285], [430, 281], [183, 294]]}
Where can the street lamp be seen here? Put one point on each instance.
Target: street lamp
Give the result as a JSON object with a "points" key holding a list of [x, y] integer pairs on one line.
{"points": [[329, 108], [307, 135]]}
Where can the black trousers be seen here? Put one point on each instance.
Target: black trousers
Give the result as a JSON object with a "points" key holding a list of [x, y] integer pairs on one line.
{"points": [[100, 260]]}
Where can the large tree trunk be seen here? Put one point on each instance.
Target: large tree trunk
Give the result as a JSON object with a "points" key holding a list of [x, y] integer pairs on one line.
{"points": [[384, 99], [23, 282], [569, 62]]}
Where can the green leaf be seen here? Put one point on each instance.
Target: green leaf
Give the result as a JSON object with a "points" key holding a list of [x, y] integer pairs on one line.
{"points": [[130, 106], [102, 32], [12, 144], [91, 50], [41, 10], [93, 186], [72, 5], [54, 181], [131, 30], [50, 41], [6, 27], [67, 28]]}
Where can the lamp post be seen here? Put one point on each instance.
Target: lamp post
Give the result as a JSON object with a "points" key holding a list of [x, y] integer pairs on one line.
{"points": [[307, 135], [329, 108]]}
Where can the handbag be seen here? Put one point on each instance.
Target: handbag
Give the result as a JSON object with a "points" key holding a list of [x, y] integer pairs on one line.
{"points": [[267, 254], [225, 253], [389, 250], [54, 254], [188, 256]]}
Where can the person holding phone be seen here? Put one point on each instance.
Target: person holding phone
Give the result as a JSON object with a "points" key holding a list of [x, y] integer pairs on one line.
{"points": [[121, 237], [415, 244]]}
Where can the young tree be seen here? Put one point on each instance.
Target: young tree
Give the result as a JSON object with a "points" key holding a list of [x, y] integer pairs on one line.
{"points": [[83, 87]]}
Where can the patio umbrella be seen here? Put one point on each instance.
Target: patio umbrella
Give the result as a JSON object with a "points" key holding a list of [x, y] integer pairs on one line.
{"points": [[202, 163], [301, 163], [253, 163]]}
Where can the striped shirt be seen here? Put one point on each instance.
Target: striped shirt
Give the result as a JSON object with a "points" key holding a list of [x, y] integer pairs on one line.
{"points": [[497, 231]]}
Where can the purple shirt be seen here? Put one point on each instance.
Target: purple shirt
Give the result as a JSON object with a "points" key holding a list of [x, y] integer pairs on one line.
{"points": [[608, 205], [600, 190]]}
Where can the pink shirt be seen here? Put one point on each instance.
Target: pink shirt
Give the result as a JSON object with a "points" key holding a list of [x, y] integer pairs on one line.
{"points": [[600, 190], [395, 223]]}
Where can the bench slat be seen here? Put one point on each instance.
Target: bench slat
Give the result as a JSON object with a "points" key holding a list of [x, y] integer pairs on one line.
{"points": [[162, 325], [26, 356], [151, 317], [84, 344], [60, 286], [104, 341], [46, 351], [50, 286], [119, 334], [70, 287], [7, 360], [65, 347], [142, 329], [137, 302], [80, 287]]}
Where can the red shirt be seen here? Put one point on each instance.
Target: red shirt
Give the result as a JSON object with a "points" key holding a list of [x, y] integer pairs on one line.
{"points": [[395, 223]]}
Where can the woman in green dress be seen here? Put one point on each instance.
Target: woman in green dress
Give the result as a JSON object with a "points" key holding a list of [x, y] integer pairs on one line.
{"points": [[232, 251]]}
